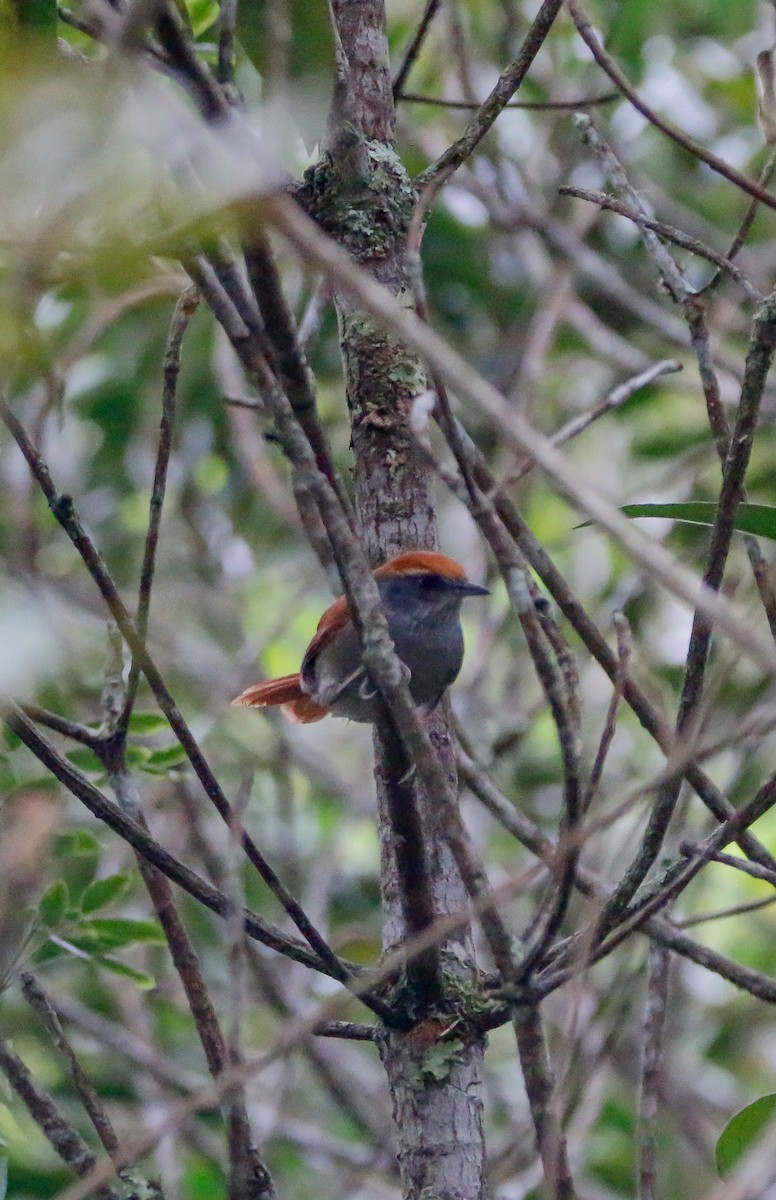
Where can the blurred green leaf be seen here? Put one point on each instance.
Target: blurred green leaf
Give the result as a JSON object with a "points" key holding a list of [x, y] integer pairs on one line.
{"points": [[102, 891], [86, 760], [54, 903], [159, 762], [37, 16], [113, 932], [10, 1129], [76, 842], [147, 723], [141, 978], [742, 1131], [758, 519], [202, 14], [11, 739], [136, 756]]}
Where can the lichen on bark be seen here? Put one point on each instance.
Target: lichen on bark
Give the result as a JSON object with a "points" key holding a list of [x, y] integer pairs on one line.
{"points": [[361, 195]]}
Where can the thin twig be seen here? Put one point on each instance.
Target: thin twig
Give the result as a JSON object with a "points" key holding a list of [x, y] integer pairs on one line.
{"points": [[68, 1144], [247, 1173], [619, 79], [40, 1004], [133, 833], [288, 355], [614, 400], [743, 231], [624, 647], [671, 277], [530, 105], [182, 313], [347, 1030], [414, 48], [118, 1039], [758, 362], [539, 1086], [206, 91], [651, 1063], [72, 729], [64, 510], [730, 860], [668, 232], [227, 20], [508, 83], [723, 913]]}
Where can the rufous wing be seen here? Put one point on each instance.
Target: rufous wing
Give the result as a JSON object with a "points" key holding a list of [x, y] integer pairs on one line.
{"points": [[287, 692]]}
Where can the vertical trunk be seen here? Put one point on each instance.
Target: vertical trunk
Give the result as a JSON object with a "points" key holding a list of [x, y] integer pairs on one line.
{"points": [[360, 193]]}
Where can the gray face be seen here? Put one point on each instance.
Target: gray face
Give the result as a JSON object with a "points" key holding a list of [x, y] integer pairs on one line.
{"points": [[423, 614], [426, 597]]}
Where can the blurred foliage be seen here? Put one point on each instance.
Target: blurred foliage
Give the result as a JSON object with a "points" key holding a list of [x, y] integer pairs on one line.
{"points": [[553, 302]]}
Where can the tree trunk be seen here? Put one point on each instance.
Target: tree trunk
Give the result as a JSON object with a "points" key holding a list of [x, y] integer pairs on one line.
{"points": [[360, 193]]}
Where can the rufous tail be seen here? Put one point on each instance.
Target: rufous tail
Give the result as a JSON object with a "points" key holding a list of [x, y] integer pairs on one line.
{"points": [[287, 692]]}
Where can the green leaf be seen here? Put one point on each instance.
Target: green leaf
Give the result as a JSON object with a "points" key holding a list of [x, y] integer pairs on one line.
{"points": [[82, 942], [76, 842], [141, 978], [10, 1130], [113, 932], [742, 1131], [159, 762], [759, 519], [11, 739], [137, 756], [3, 1177], [202, 14], [102, 891], [38, 17], [53, 904], [146, 723], [47, 951], [85, 759]]}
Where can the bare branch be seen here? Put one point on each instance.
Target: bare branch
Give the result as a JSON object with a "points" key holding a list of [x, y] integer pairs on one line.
{"points": [[183, 312], [619, 79], [64, 510], [651, 1063], [759, 358], [133, 833], [529, 105], [68, 1144], [614, 400], [508, 83], [39, 1002], [414, 48], [669, 233]]}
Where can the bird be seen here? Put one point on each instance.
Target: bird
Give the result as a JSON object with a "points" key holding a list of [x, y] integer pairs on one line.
{"points": [[421, 592]]}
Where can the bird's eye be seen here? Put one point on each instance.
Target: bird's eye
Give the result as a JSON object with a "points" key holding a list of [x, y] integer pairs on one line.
{"points": [[431, 583]]}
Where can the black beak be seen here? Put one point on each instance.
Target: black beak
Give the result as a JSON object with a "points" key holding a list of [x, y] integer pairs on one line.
{"points": [[468, 589]]}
